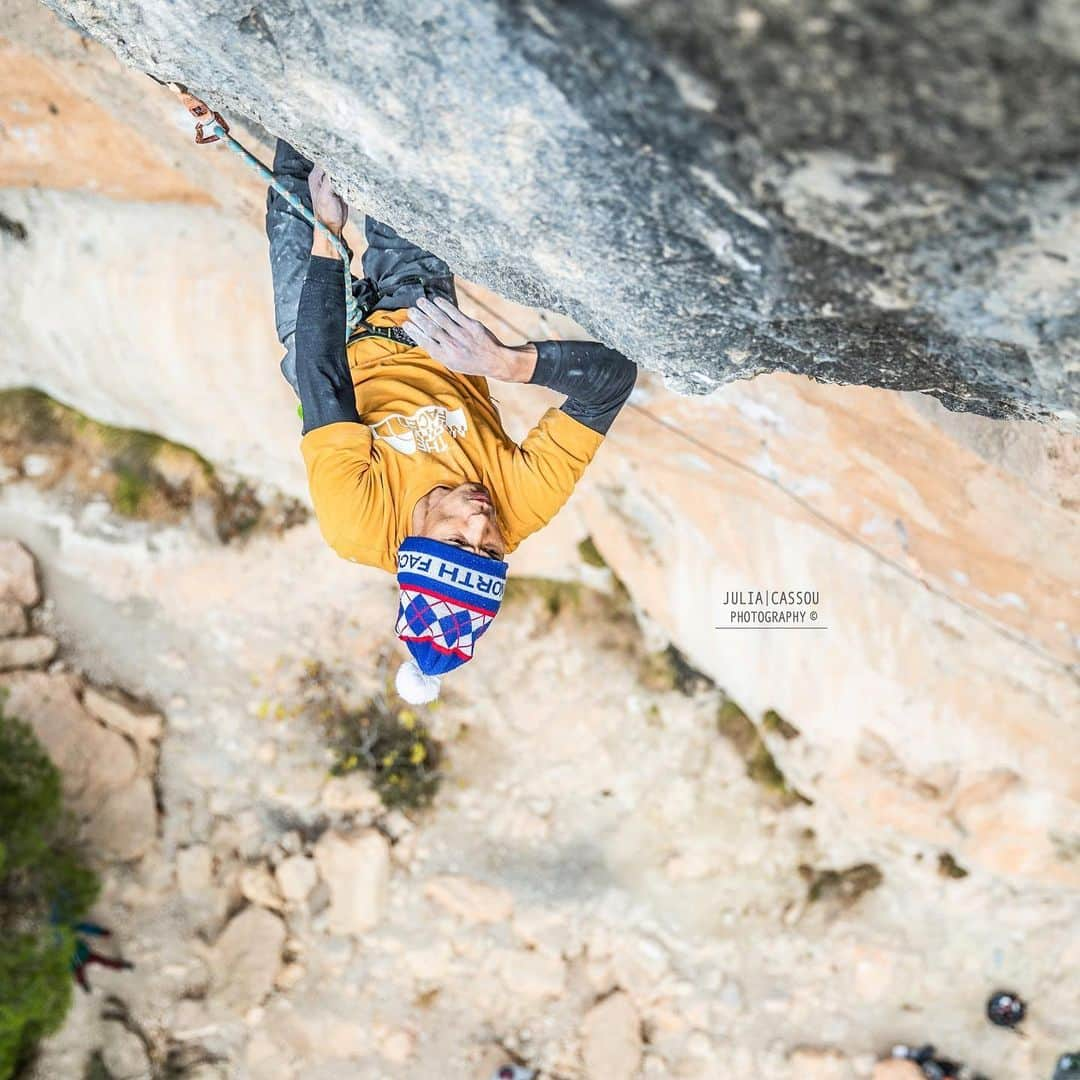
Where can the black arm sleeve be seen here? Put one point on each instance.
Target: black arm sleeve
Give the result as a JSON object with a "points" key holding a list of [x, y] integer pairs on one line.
{"points": [[596, 380], [322, 368]]}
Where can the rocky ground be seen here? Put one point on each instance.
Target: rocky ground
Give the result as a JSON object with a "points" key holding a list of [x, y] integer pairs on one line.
{"points": [[600, 887]]}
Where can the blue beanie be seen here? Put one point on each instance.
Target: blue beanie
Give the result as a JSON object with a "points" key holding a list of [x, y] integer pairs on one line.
{"points": [[448, 598]]}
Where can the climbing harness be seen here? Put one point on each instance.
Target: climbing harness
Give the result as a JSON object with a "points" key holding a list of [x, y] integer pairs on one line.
{"points": [[210, 127], [391, 333]]}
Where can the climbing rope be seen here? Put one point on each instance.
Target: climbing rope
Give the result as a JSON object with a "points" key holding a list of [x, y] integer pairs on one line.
{"points": [[210, 127]]}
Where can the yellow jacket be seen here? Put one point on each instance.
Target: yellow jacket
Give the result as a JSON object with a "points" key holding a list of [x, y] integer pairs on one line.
{"points": [[426, 425]]}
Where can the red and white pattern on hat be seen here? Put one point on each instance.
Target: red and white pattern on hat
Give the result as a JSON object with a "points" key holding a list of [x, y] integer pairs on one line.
{"points": [[446, 625]]}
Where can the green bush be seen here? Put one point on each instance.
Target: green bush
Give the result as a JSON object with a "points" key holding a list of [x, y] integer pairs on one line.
{"points": [[44, 888], [394, 748]]}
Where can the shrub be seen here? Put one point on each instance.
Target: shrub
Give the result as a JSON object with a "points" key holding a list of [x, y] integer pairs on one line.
{"points": [[44, 888], [394, 748], [388, 742]]}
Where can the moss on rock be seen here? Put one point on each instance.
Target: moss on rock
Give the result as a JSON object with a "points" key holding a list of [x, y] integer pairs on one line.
{"points": [[141, 474], [733, 723], [590, 555]]}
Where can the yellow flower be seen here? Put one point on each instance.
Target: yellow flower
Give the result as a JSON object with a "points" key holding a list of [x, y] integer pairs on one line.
{"points": [[407, 719], [417, 754]]}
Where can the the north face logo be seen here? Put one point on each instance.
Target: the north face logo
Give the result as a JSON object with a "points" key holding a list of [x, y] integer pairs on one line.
{"points": [[425, 431]]}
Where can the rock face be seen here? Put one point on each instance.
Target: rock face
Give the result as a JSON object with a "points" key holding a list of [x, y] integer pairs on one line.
{"points": [[882, 197]]}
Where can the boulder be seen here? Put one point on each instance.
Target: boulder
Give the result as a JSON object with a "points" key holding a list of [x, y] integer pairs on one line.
{"points": [[350, 794], [296, 877], [13, 619], [130, 719], [92, 760], [611, 1043], [122, 715], [26, 652], [246, 959], [356, 869], [470, 900], [124, 825], [257, 884], [532, 973], [123, 1053], [194, 870], [18, 574]]}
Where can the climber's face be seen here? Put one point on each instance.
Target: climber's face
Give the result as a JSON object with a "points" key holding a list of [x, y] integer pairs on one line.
{"points": [[462, 515]]}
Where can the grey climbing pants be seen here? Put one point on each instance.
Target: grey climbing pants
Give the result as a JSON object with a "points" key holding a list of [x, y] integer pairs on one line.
{"points": [[396, 272]]}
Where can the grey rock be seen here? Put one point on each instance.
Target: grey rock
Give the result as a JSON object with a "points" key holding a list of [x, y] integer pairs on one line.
{"points": [[869, 194]]}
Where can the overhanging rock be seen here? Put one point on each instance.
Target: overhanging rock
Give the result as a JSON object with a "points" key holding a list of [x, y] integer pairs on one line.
{"points": [[884, 194]]}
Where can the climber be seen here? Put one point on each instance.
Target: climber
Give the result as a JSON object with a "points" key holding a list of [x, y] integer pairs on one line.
{"points": [[83, 955], [408, 464]]}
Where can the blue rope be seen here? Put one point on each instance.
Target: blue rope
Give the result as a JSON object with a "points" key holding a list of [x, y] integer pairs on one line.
{"points": [[353, 315]]}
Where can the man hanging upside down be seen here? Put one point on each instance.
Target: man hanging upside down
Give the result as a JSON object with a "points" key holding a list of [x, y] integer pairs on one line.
{"points": [[409, 466]]}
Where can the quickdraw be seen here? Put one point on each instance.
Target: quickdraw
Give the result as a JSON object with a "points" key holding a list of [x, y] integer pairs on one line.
{"points": [[210, 127]]}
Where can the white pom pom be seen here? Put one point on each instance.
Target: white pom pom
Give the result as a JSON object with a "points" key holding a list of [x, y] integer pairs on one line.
{"points": [[414, 686]]}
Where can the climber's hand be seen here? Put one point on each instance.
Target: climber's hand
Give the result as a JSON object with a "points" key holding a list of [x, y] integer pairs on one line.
{"points": [[445, 333], [329, 207]]}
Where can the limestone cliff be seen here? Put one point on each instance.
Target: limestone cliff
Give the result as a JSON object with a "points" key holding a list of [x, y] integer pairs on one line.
{"points": [[885, 195]]}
